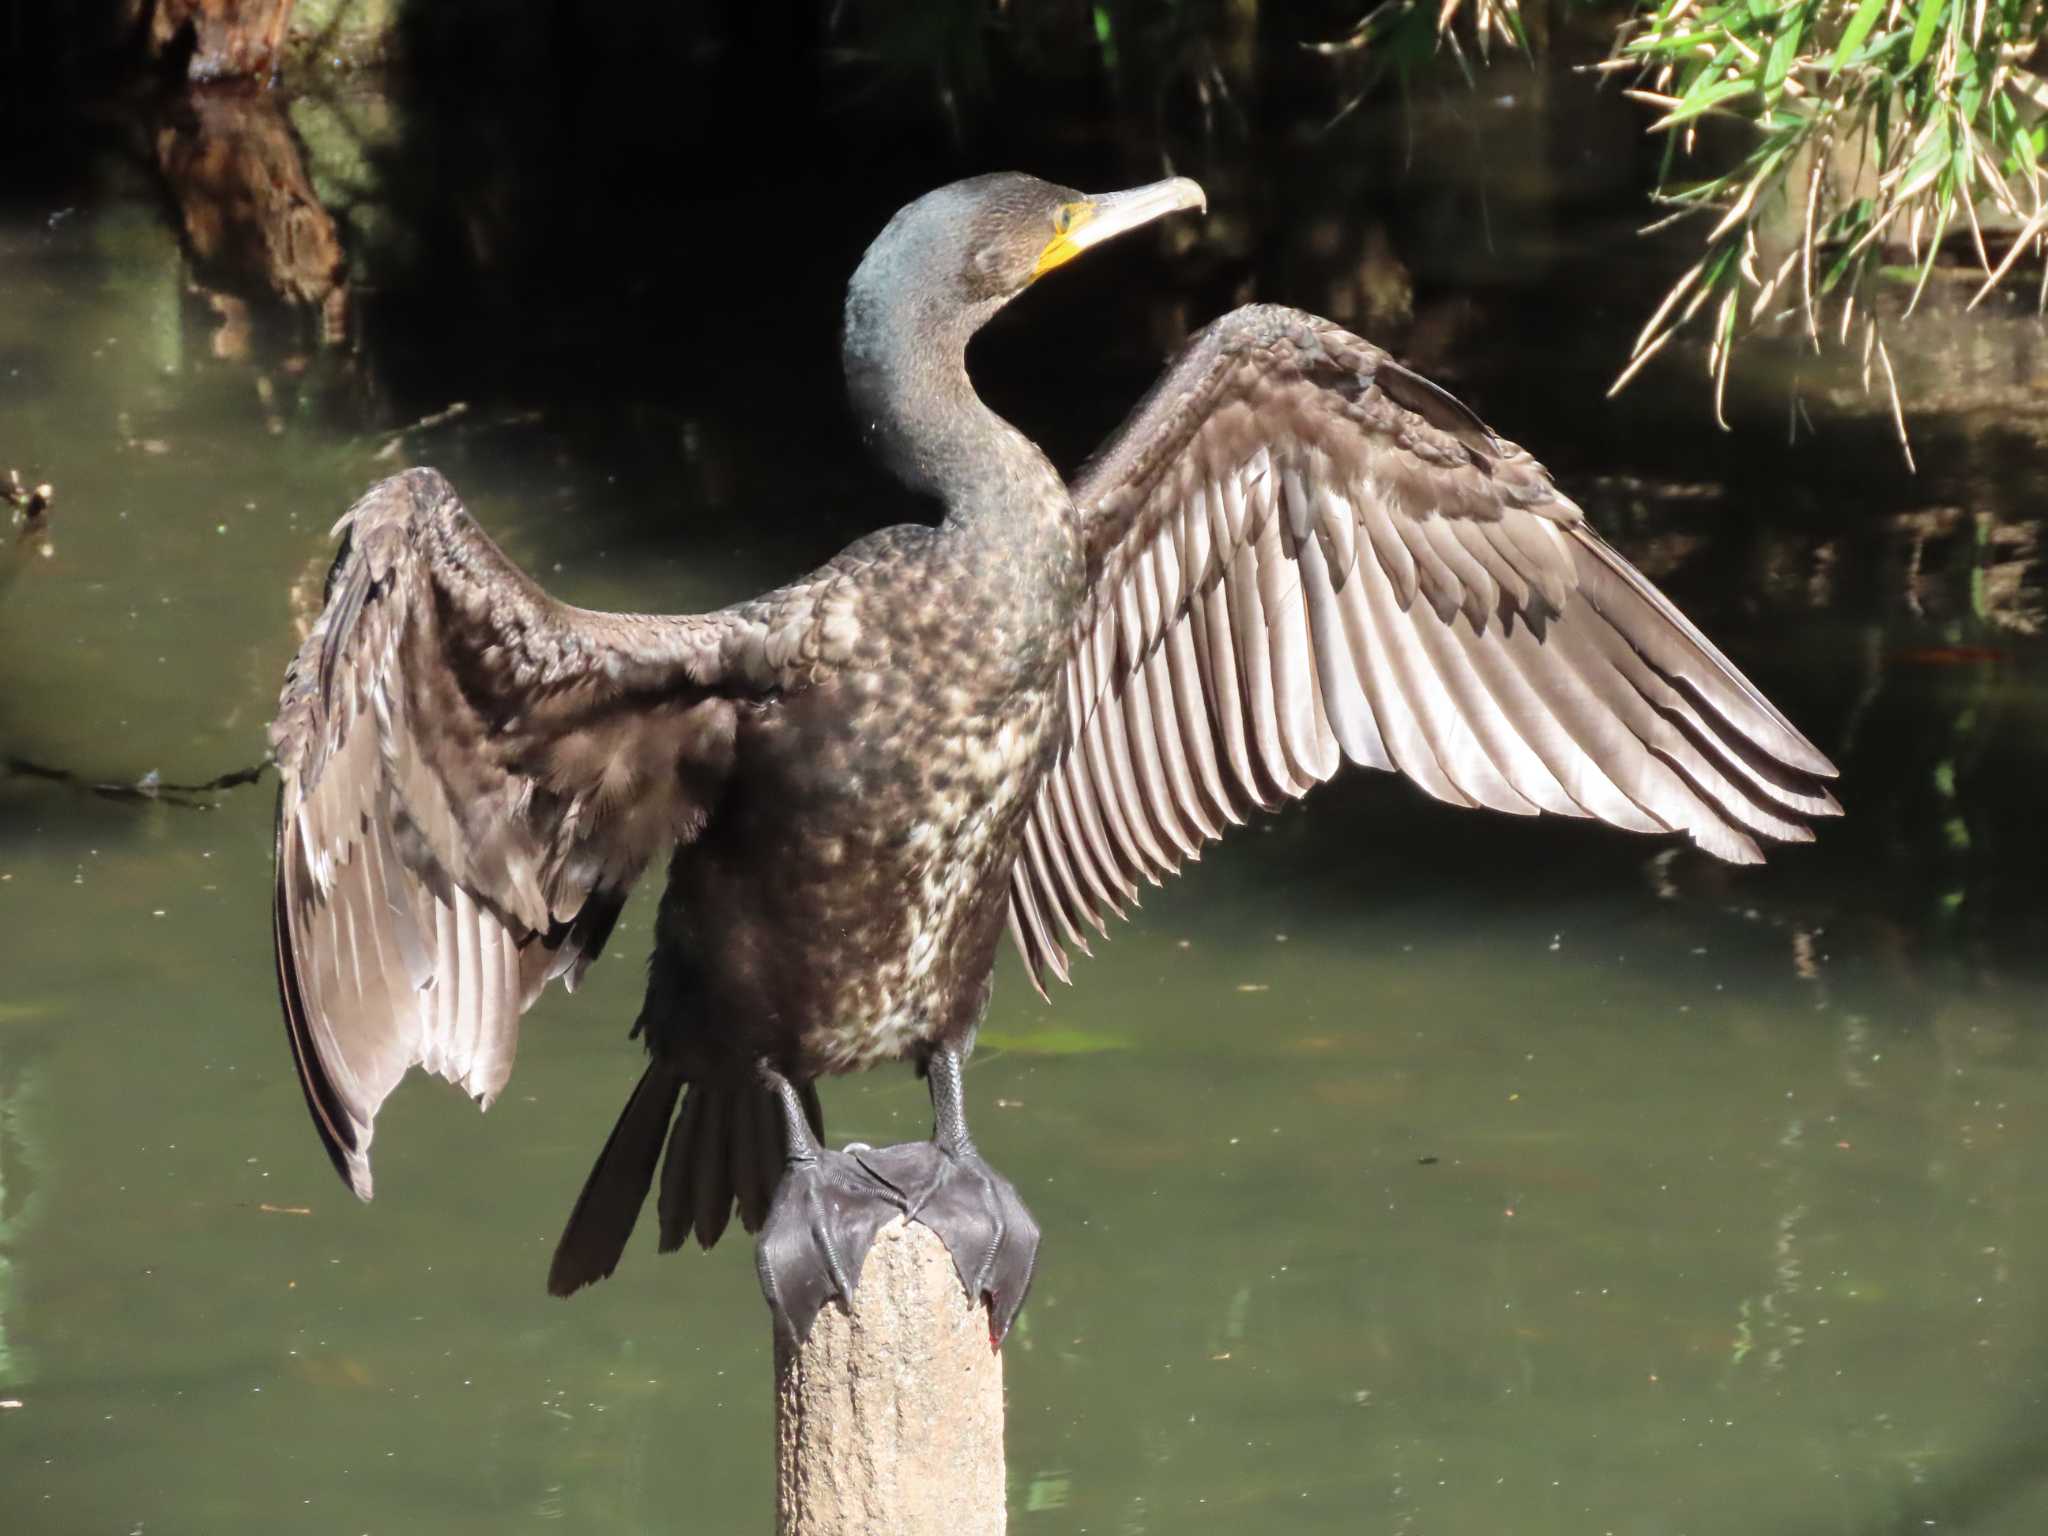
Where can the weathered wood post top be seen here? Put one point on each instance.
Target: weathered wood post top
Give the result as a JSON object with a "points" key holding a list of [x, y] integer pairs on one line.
{"points": [[889, 1419]]}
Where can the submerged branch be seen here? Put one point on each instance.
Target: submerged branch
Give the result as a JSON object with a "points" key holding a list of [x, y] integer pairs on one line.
{"points": [[148, 788]]}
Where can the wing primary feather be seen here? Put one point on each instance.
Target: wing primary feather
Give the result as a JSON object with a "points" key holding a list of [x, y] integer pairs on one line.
{"points": [[1388, 548], [346, 1149], [1217, 652], [1172, 740], [1191, 707], [1433, 706], [1197, 545], [1023, 947], [1752, 773], [1295, 498], [1125, 799], [1704, 801], [1155, 809], [1327, 747], [1236, 508], [1519, 763], [1026, 937], [492, 1000], [1479, 592], [1092, 758], [1055, 958], [1618, 757], [1578, 773], [467, 997], [405, 918], [1546, 558], [1252, 646], [1085, 843], [1403, 736], [1441, 587], [1534, 581], [1092, 846], [345, 898], [1647, 773], [1344, 697], [1288, 641], [1101, 656], [1049, 864], [1106, 798], [1669, 639], [1143, 584], [1512, 590], [488, 1078], [437, 1011], [1336, 532], [380, 916], [1169, 577]]}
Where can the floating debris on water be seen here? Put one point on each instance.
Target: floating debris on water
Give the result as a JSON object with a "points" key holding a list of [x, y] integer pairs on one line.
{"points": [[31, 504]]}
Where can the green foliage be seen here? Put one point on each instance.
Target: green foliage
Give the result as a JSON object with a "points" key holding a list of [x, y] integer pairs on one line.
{"points": [[1867, 126]]}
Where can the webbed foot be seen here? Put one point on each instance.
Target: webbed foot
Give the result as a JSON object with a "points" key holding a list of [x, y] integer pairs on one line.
{"points": [[826, 1213], [830, 1205], [976, 1213]]}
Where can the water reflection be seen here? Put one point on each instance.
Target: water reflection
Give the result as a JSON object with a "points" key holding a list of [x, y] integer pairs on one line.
{"points": [[1405, 1169], [250, 221]]}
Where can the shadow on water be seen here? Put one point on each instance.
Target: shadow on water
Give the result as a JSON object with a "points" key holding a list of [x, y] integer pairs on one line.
{"points": [[1404, 1169]]}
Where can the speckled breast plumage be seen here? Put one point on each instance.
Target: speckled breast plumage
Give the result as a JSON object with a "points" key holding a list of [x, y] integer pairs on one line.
{"points": [[845, 904]]}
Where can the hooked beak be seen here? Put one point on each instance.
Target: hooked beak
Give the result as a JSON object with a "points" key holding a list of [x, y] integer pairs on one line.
{"points": [[1093, 220]]}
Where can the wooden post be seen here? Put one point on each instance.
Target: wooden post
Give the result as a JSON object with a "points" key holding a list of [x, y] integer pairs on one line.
{"points": [[891, 1419]]}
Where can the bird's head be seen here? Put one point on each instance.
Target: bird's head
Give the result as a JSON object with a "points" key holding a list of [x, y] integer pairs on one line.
{"points": [[943, 266], [1012, 229], [948, 261]]}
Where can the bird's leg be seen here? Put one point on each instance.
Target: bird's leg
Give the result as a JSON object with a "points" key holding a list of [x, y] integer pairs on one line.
{"points": [[823, 1220], [945, 1184]]}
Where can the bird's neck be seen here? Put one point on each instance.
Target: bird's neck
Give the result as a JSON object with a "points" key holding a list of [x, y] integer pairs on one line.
{"points": [[906, 376]]}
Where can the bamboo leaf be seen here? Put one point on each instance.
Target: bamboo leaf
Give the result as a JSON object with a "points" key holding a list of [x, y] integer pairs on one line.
{"points": [[1970, 93], [1703, 101], [1858, 29], [1879, 46], [1836, 270], [1931, 12], [1928, 163], [1938, 103], [1784, 49]]}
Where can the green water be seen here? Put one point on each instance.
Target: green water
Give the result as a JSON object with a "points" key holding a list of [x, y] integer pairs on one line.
{"points": [[1403, 1170]]}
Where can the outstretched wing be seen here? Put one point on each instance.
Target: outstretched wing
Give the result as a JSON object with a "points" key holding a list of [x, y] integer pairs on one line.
{"points": [[473, 776], [1300, 552]]}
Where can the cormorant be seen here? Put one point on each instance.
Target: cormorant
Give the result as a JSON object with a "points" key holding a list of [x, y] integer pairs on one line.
{"points": [[1295, 552]]}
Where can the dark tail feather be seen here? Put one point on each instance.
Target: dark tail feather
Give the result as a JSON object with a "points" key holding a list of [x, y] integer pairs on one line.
{"points": [[617, 1186], [761, 1164], [727, 1146]]}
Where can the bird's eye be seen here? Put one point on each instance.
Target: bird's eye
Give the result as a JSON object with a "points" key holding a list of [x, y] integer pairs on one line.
{"points": [[1063, 220]]}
